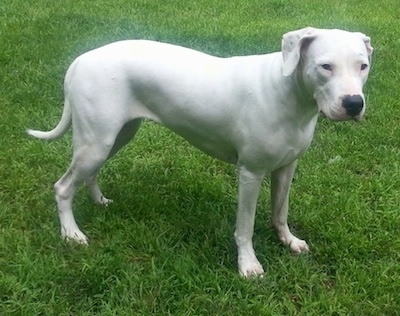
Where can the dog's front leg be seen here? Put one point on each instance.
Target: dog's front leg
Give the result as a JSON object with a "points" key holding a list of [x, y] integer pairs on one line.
{"points": [[249, 188], [281, 180]]}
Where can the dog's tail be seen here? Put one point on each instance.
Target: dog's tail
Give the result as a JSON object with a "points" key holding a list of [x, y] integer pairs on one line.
{"points": [[61, 128]]}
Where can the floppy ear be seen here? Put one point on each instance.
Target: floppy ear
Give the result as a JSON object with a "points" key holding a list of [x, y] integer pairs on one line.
{"points": [[367, 41], [292, 43]]}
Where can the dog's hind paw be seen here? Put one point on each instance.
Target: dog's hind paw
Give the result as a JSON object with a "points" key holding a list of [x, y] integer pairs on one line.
{"points": [[104, 201]]}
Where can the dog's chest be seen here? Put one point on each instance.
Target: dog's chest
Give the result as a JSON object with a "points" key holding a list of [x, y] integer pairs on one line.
{"points": [[273, 148]]}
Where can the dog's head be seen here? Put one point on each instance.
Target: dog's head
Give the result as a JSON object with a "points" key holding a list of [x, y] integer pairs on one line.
{"points": [[333, 66]]}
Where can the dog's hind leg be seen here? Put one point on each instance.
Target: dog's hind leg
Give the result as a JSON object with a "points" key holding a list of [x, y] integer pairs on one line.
{"points": [[87, 160], [95, 191], [127, 133], [89, 156]]}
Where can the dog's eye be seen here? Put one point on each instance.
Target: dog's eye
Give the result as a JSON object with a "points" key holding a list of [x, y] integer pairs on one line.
{"points": [[364, 66], [327, 67]]}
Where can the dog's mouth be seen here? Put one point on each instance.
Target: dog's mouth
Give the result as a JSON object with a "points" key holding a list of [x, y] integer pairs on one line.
{"points": [[356, 118]]}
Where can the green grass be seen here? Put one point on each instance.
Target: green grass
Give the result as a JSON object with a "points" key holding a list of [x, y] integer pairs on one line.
{"points": [[166, 245]]}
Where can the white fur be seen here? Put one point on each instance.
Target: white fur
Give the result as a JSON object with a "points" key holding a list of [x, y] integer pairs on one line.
{"points": [[258, 112]]}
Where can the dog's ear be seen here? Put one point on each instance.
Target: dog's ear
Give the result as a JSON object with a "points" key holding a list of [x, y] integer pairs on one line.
{"points": [[367, 41], [292, 45]]}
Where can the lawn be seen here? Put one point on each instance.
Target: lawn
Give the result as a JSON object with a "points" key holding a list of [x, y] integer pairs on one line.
{"points": [[166, 246]]}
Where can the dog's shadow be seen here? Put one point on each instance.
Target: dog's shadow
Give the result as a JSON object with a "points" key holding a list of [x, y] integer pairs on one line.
{"points": [[163, 209], [163, 203]]}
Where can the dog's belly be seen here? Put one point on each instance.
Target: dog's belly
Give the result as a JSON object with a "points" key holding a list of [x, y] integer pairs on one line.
{"points": [[213, 146]]}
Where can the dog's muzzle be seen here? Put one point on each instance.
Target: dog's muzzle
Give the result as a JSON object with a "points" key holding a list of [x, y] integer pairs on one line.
{"points": [[353, 104]]}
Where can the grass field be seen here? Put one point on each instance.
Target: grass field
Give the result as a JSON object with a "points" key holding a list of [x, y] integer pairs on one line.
{"points": [[166, 247]]}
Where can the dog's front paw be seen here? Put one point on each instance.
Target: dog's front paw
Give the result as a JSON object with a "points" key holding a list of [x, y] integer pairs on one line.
{"points": [[74, 235], [296, 245], [250, 267]]}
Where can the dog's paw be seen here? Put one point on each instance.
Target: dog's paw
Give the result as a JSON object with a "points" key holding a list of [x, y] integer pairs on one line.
{"points": [[74, 236], [296, 245], [250, 268], [104, 201]]}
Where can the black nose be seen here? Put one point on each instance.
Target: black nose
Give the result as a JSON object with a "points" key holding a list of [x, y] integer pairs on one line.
{"points": [[353, 104]]}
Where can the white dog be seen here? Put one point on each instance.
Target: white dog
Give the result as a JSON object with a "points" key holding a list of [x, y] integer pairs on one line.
{"points": [[258, 112]]}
